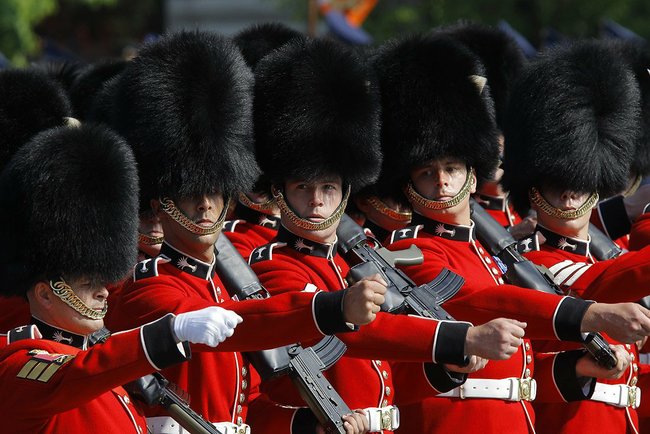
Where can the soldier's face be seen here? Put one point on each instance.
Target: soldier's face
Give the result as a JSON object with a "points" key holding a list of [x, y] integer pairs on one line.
{"points": [[63, 316], [564, 200], [315, 201], [150, 226]]}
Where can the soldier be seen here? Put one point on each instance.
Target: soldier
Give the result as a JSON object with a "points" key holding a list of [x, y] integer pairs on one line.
{"points": [[184, 105], [438, 129], [578, 107], [69, 201], [328, 150]]}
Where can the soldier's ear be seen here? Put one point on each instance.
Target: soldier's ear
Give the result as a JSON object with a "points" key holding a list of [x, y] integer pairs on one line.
{"points": [[473, 188], [43, 294]]}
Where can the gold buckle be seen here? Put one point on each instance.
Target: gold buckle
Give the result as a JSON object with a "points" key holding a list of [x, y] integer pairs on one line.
{"points": [[631, 396], [461, 391], [386, 419], [524, 389]]}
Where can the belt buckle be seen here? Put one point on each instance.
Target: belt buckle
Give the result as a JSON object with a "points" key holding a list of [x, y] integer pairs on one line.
{"points": [[386, 419], [524, 389], [631, 396], [461, 391]]}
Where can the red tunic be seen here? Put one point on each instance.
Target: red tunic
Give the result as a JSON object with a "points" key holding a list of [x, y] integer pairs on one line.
{"points": [[216, 379], [293, 264], [14, 312], [499, 208], [51, 387], [251, 229], [575, 270], [482, 298]]}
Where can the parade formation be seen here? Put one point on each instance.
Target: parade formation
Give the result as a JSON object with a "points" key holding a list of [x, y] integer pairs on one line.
{"points": [[275, 233]]}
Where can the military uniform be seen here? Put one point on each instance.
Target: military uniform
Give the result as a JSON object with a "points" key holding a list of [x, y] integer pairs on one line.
{"points": [[250, 229]]}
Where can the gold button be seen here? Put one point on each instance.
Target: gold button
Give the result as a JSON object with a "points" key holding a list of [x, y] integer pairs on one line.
{"points": [[529, 358], [387, 391], [527, 346], [527, 373], [240, 420], [628, 346], [495, 271], [384, 403], [500, 281], [633, 381], [488, 260], [632, 354], [242, 397], [635, 367], [385, 374], [244, 384], [244, 371], [127, 401], [480, 250], [239, 409], [378, 362]]}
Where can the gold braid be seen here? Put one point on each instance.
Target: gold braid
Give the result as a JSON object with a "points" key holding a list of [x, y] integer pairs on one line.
{"points": [[264, 207], [634, 187], [67, 295], [149, 241], [381, 207], [177, 215], [306, 224], [536, 197], [416, 197]]}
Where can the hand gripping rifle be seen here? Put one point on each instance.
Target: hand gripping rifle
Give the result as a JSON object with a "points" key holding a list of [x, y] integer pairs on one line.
{"points": [[403, 295], [154, 389], [522, 272], [304, 366]]}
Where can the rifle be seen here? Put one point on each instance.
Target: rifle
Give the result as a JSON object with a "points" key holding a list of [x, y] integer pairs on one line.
{"points": [[403, 295], [522, 272], [154, 389], [601, 246], [304, 366]]}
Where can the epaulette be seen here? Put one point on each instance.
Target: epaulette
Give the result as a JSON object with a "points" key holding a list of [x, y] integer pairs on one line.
{"points": [[406, 233], [263, 253], [23, 332], [528, 244], [146, 268], [229, 226]]}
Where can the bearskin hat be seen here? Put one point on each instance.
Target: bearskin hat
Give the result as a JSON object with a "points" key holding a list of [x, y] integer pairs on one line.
{"points": [[30, 102], [573, 123], [89, 84], [637, 55], [432, 106], [69, 209], [499, 53], [185, 106], [317, 112], [258, 40]]}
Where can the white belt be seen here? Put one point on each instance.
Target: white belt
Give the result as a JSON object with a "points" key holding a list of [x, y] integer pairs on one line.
{"points": [[618, 395], [508, 389], [383, 418], [167, 425]]}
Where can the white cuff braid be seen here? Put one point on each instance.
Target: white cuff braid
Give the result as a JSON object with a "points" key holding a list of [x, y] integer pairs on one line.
{"points": [[209, 326]]}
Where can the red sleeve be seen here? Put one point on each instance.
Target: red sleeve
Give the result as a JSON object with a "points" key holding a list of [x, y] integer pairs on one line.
{"points": [[640, 233], [266, 417], [555, 374], [548, 316], [291, 315], [612, 281], [242, 243], [62, 377]]}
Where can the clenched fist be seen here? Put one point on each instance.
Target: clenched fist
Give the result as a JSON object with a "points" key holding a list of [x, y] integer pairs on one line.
{"points": [[362, 300], [495, 340], [209, 326]]}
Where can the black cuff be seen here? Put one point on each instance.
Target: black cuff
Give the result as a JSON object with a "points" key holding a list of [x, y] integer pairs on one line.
{"points": [[450, 342], [328, 312], [304, 422], [160, 345], [568, 319], [614, 217], [567, 382], [442, 379]]}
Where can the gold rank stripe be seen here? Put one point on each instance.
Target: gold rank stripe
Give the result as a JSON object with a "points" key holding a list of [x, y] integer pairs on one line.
{"points": [[41, 371]]}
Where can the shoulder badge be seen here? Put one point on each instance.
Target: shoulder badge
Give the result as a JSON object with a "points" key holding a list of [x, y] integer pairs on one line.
{"points": [[263, 253], [146, 268], [405, 233], [22, 333], [43, 365], [528, 244], [229, 226]]}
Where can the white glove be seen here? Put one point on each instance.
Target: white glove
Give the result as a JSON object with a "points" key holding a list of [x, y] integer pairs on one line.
{"points": [[209, 326]]}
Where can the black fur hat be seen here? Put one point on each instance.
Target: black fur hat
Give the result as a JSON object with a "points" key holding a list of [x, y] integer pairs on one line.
{"points": [[185, 105], [432, 106], [317, 112], [90, 82], [30, 102], [499, 53], [637, 55], [573, 123], [258, 40], [69, 209]]}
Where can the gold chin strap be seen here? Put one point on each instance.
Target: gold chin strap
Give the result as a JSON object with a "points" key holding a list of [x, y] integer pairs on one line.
{"points": [[380, 206], [416, 197], [67, 295], [634, 187], [177, 215], [304, 223], [149, 241], [264, 207], [536, 197]]}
